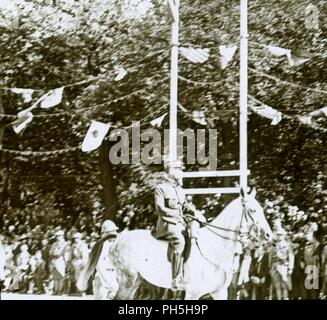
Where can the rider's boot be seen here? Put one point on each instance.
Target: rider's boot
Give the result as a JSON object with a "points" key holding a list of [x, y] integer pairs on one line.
{"points": [[178, 276]]}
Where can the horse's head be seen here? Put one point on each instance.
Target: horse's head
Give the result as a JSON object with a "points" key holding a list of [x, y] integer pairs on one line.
{"points": [[254, 218]]}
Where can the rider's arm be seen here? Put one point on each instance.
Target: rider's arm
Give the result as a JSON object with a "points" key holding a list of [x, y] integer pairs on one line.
{"points": [[159, 200]]}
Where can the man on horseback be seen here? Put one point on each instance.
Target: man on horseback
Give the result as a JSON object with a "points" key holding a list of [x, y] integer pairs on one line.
{"points": [[172, 225]]}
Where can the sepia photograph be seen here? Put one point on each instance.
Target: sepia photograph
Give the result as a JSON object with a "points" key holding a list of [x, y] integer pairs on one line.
{"points": [[163, 150]]}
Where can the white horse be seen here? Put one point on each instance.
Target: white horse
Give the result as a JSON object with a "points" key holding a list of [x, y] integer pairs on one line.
{"points": [[137, 255]]}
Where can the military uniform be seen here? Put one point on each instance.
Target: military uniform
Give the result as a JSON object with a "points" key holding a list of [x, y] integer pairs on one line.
{"points": [[58, 260], [169, 200], [105, 284], [79, 257]]}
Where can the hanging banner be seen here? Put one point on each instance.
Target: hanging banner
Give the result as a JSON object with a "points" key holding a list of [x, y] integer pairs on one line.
{"points": [[26, 93], [195, 55], [95, 135], [227, 54], [53, 98]]}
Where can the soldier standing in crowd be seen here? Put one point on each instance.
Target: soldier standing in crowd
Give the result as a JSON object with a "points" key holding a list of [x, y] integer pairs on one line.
{"points": [[78, 258], [38, 273], [282, 264], [9, 263], [105, 284], [312, 263], [58, 260], [324, 268], [2, 265], [22, 268], [298, 276], [259, 273]]}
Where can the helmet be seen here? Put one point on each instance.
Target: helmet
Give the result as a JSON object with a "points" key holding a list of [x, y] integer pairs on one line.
{"points": [[77, 235], [109, 227], [59, 233]]}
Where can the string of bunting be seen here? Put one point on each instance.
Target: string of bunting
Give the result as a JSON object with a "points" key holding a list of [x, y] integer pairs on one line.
{"points": [[280, 52], [40, 153], [25, 117], [276, 116], [205, 83], [286, 82]]}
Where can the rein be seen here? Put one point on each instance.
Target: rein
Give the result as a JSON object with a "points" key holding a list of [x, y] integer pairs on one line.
{"points": [[238, 232]]}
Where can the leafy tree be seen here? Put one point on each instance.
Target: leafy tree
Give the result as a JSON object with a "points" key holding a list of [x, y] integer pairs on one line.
{"points": [[62, 42]]}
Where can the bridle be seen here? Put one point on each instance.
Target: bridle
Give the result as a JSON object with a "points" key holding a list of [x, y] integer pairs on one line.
{"points": [[239, 233], [245, 215]]}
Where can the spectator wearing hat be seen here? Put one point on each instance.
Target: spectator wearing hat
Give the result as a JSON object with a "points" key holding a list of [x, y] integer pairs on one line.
{"points": [[282, 263], [78, 258], [105, 284], [37, 273], [58, 260], [9, 263], [21, 269]]}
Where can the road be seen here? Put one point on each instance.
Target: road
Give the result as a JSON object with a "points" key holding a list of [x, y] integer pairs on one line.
{"points": [[18, 296]]}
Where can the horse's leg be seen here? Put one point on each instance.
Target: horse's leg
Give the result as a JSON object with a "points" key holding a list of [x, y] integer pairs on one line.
{"points": [[128, 287], [220, 294]]}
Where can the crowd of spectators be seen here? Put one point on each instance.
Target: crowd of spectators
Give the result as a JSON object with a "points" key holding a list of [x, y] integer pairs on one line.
{"points": [[37, 255]]}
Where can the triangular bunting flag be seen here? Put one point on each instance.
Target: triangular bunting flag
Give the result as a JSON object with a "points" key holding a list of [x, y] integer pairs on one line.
{"points": [[227, 54], [278, 52], [158, 121], [277, 118], [52, 98], [195, 55], [21, 123], [199, 117], [270, 113], [95, 135], [26, 93], [121, 74], [295, 60], [307, 120]]}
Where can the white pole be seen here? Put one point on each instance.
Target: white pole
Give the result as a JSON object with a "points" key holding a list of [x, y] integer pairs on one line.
{"points": [[174, 84], [243, 94]]}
